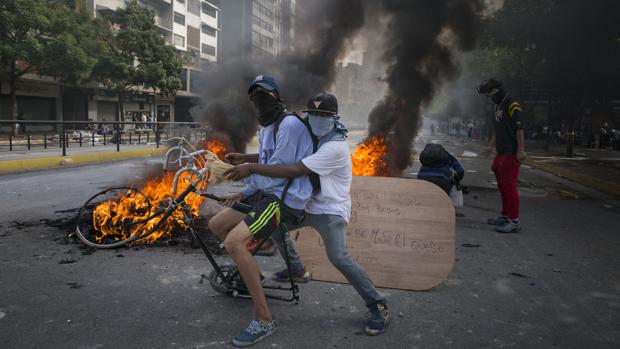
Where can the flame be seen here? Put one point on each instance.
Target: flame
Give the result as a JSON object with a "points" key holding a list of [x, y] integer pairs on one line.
{"points": [[111, 218], [215, 146], [368, 159]]}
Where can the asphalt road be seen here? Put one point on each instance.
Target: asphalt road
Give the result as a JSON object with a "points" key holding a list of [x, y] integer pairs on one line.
{"points": [[555, 284]]}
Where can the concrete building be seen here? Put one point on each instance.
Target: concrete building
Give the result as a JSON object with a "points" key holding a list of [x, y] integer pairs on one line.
{"points": [[190, 25], [253, 28]]}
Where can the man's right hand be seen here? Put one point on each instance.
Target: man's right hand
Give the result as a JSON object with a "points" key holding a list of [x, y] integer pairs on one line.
{"points": [[487, 151], [235, 158], [230, 199]]}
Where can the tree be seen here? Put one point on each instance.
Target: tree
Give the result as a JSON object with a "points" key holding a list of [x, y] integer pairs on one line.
{"points": [[573, 46], [136, 54], [46, 38]]}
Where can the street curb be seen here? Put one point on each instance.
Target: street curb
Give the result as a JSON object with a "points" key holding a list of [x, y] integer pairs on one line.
{"points": [[24, 165], [580, 178]]}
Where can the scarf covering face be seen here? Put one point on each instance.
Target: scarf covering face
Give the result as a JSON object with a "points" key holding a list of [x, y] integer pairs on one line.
{"points": [[338, 131], [268, 107], [321, 125]]}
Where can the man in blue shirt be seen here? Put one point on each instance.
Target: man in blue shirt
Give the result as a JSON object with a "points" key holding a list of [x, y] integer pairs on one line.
{"points": [[272, 199]]}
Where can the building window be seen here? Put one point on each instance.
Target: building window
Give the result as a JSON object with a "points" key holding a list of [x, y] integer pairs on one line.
{"points": [[262, 24], [208, 30], [179, 18], [183, 78], [179, 40], [208, 49], [261, 40], [193, 37], [209, 10], [259, 8]]}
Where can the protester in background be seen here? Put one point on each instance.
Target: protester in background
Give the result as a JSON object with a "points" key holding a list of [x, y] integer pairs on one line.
{"points": [[273, 199], [20, 127], [149, 120], [508, 140], [329, 207], [440, 167]]}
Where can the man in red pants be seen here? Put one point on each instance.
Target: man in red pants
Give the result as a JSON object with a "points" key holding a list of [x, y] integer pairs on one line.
{"points": [[509, 144]]}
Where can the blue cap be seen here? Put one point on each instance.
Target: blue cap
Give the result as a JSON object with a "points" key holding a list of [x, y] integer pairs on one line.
{"points": [[266, 82]]}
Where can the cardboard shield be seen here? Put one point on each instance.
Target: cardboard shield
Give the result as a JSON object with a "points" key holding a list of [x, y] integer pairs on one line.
{"points": [[401, 231]]}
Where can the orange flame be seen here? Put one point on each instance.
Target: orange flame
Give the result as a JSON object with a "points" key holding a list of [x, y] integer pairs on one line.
{"points": [[111, 216], [215, 146], [368, 159]]}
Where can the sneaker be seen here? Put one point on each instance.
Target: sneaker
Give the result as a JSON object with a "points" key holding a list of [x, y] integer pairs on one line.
{"points": [[510, 227], [499, 221], [377, 319], [300, 277], [255, 333]]}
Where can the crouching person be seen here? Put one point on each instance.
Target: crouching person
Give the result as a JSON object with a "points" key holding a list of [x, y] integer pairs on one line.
{"points": [[440, 167]]}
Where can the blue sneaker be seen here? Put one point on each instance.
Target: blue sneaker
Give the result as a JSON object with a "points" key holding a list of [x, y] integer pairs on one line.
{"points": [[255, 333], [377, 319]]}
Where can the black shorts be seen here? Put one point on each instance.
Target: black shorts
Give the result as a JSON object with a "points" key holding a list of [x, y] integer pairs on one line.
{"points": [[267, 214]]}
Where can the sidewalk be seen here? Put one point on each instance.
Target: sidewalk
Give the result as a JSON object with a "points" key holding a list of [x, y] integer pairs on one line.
{"points": [[595, 168], [21, 160]]}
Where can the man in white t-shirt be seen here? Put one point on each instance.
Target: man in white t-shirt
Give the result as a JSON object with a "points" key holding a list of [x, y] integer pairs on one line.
{"points": [[329, 208]]}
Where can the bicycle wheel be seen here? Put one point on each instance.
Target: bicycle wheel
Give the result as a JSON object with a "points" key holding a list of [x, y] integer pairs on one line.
{"points": [[113, 217]]}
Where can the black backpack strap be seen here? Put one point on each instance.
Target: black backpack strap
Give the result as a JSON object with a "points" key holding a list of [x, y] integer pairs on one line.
{"points": [[314, 178]]}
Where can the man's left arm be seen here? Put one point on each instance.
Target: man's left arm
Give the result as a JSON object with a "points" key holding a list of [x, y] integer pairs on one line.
{"points": [[289, 138], [514, 111], [328, 158], [277, 171]]}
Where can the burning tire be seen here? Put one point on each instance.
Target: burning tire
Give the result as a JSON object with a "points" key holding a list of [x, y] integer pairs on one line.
{"points": [[113, 217]]}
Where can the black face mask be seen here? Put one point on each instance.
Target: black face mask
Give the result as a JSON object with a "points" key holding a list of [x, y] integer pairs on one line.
{"points": [[267, 106], [498, 97]]}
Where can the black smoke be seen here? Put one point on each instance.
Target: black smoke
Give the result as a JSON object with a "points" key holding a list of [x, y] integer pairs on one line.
{"points": [[310, 68], [421, 41]]}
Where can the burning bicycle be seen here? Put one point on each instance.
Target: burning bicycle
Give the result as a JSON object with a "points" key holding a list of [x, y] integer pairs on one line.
{"points": [[120, 216]]}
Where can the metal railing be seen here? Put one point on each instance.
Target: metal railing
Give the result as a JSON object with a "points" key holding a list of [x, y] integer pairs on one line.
{"points": [[46, 134]]}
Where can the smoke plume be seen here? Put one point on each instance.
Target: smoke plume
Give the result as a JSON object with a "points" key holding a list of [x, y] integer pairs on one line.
{"points": [[421, 40], [321, 36]]}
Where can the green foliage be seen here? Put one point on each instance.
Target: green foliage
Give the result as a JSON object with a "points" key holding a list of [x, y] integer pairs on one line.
{"points": [[136, 54], [570, 48], [44, 37]]}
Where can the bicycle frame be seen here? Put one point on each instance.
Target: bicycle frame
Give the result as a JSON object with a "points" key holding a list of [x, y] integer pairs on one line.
{"points": [[197, 175], [228, 279], [180, 201]]}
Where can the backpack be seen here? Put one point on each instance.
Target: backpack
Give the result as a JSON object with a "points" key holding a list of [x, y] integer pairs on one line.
{"points": [[435, 156], [314, 178]]}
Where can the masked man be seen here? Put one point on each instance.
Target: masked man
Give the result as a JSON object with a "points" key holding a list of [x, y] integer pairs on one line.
{"points": [[272, 199], [329, 208], [509, 143]]}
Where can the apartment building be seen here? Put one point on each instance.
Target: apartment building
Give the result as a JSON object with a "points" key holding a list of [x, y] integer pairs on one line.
{"points": [[191, 26], [254, 28]]}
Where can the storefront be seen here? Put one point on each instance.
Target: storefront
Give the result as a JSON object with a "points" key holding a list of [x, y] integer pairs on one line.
{"points": [[36, 100]]}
